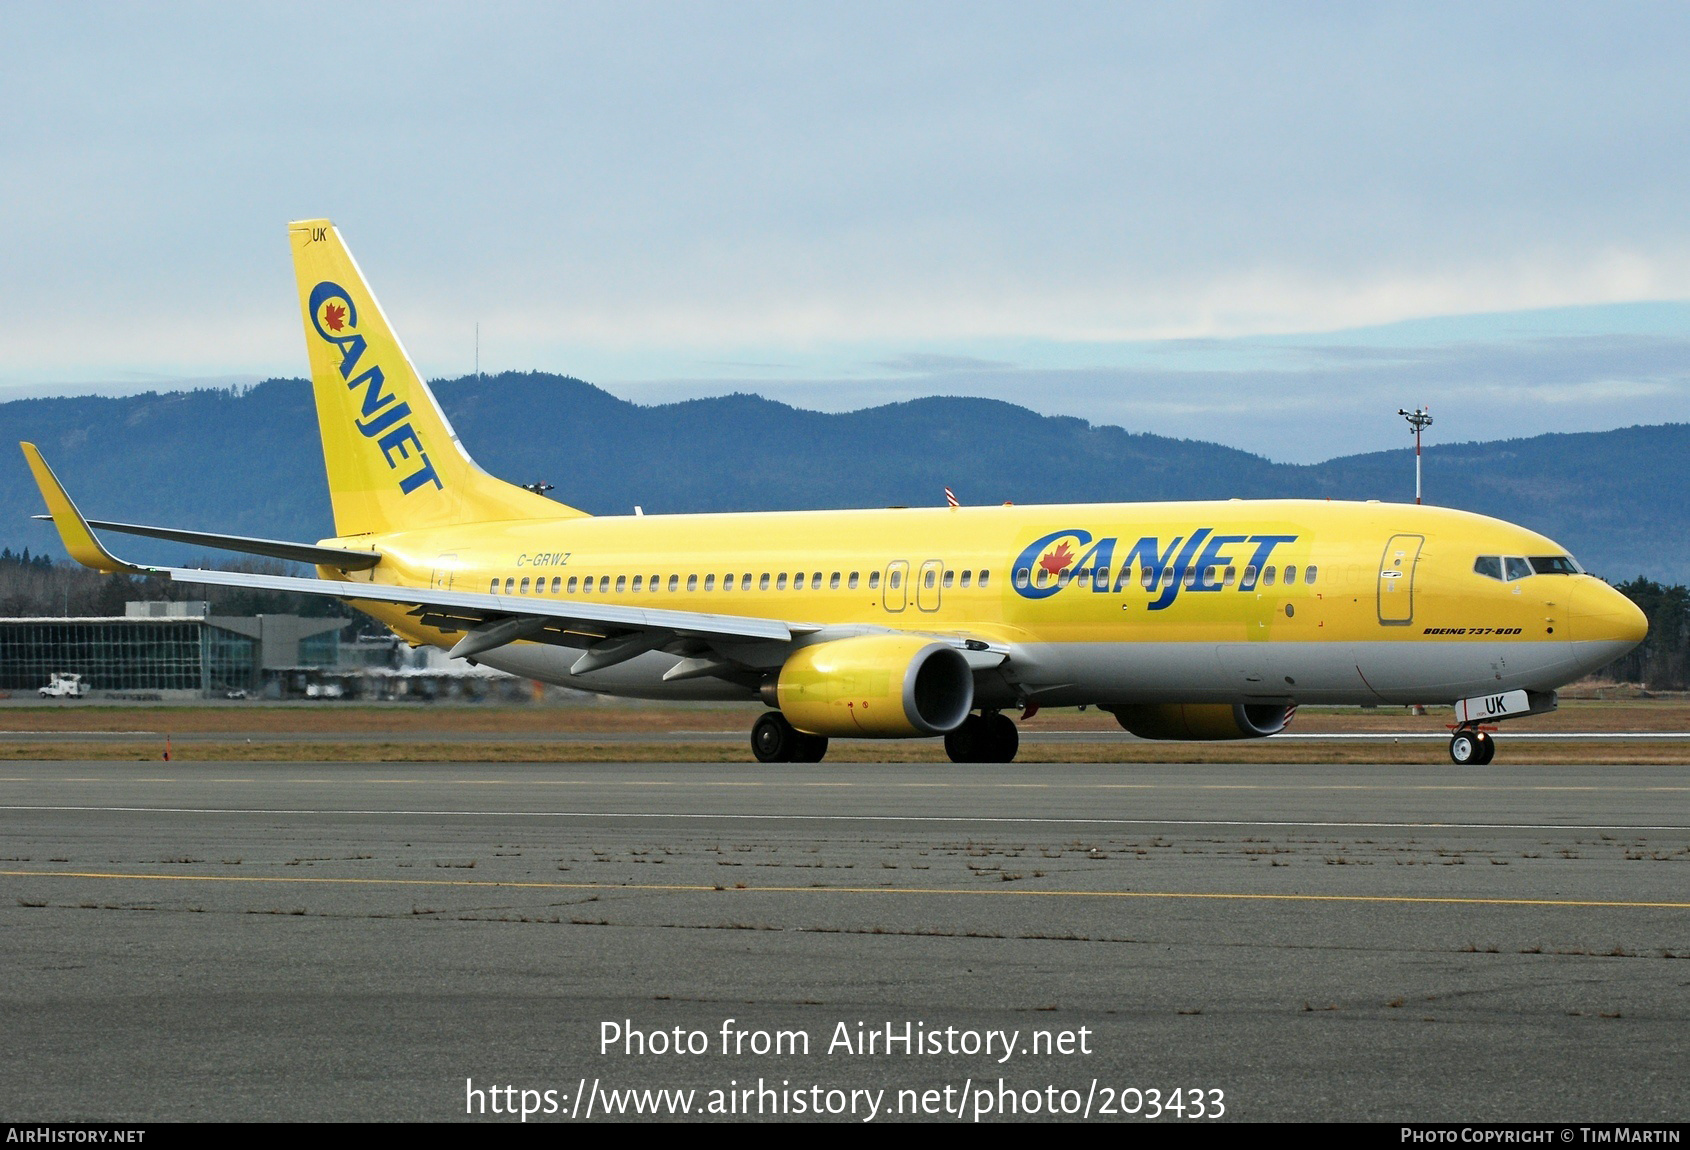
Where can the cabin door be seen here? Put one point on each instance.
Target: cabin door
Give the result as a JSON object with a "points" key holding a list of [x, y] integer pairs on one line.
{"points": [[1396, 580]]}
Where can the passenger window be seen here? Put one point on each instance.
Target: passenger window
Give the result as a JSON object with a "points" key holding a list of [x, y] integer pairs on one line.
{"points": [[674, 582], [1209, 574], [1147, 577], [639, 582], [621, 584], [1230, 577], [523, 588], [1290, 574], [1249, 578], [587, 585], [654, 583], [510, 586], [494, 589], [798, 581], [557, 581], [816, 581], [763, 582], [851, 582], [895, 580], [604, 584], [1267, 577], [984, 575], [692, 582], [1490, 566], [1310, 573], [728, 581], [833, 582], [873, 580], [932, 577], [573, 580], [709, 582], [1021, 577], [949, 576], [1517, 568], [965, 576], [780, 581]]}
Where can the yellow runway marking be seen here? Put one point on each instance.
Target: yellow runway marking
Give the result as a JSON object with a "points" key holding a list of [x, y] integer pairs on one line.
{"points": [[688, 888]]}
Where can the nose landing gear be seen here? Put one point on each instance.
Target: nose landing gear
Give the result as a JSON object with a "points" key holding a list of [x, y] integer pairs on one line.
{"points": [[1471, 747]]}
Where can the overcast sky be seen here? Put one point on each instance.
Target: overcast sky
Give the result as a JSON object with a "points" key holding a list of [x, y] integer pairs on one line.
{"points": [[1265, 225]]}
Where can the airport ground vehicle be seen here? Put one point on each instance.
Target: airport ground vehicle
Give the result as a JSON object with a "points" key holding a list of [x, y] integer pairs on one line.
{"points": [[1186, 620], [62, 685]]}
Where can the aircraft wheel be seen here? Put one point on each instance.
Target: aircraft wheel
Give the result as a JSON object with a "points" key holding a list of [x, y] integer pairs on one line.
{"points": [[773, 740], [808, 748], [1002, 739], [1487, 748], [1465, 749], [967, 744]]}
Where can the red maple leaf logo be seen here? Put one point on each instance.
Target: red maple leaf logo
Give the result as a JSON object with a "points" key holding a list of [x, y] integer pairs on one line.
{"points": [[1057, 560], [334, 316]]}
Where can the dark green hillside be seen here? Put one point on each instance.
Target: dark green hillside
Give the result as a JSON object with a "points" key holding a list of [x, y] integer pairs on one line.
{"points": [[249, 463]]}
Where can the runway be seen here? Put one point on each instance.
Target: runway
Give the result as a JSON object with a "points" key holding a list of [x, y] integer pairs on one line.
{"points": [[249, 940]]}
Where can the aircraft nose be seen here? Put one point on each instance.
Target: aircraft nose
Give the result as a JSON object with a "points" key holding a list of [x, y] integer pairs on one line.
{"points": [[1604, 624]]}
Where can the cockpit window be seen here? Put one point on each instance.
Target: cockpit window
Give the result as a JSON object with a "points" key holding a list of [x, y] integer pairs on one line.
{"points": [[1489, 566], [1516, 567], [1555, 565]]}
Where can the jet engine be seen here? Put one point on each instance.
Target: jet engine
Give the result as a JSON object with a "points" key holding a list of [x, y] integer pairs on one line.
{"points": [[875, 686], [1203, 721]]}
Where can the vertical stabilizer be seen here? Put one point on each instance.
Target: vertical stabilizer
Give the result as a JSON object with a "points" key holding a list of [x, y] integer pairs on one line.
{"points": [[393, 460]]}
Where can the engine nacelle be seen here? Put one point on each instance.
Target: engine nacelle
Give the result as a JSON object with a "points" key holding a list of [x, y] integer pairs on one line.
{"points": [[876, 686], [1203, 721]]}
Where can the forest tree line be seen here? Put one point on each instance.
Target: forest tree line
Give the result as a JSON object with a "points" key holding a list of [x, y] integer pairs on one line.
{"points": [[36, 586]]}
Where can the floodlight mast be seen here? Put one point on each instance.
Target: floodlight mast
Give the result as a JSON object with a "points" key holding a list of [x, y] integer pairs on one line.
{"points": [[1420, 421]]}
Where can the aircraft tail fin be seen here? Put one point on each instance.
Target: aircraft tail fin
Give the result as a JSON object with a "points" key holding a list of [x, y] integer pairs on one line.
{"points": [[393, 460]]}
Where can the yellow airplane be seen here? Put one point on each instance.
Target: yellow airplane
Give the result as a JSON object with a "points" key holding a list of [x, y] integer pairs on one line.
{"points": [[1200, 620]]}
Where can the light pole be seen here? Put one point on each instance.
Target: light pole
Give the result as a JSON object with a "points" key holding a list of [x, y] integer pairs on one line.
{"points": [[1420, 421]]}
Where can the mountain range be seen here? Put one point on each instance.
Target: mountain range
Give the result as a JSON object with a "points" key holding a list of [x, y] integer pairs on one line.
{"points": [[248, 462]]}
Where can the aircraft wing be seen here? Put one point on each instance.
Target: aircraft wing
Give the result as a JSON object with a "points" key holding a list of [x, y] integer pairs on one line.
{"points": [[79, 540], [724, 646], [340, 557]]}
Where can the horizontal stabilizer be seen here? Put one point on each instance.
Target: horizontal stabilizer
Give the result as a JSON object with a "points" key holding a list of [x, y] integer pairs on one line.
{"points": [[337, 557]]}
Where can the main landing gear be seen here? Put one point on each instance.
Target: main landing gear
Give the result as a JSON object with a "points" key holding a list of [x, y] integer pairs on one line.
{"points": [[989, 737], [774, 740], [1471, 747]]}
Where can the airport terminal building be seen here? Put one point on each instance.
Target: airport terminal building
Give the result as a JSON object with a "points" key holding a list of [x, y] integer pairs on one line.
{"points": [[158, 647], [179, 650]]}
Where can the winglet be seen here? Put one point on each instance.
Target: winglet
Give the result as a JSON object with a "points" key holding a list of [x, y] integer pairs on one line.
{"points": [[78, 538]]}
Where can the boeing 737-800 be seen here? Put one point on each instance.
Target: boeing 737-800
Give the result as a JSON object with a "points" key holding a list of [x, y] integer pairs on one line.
{"points": [[1196, 620]]}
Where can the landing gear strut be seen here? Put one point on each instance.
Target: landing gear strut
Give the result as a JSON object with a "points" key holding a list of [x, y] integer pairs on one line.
{"points": [[774, 740], [1471, 747], [989, 737]]}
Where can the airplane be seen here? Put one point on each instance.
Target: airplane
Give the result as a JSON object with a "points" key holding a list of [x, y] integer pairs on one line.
{"points": [[1185, 620]]}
